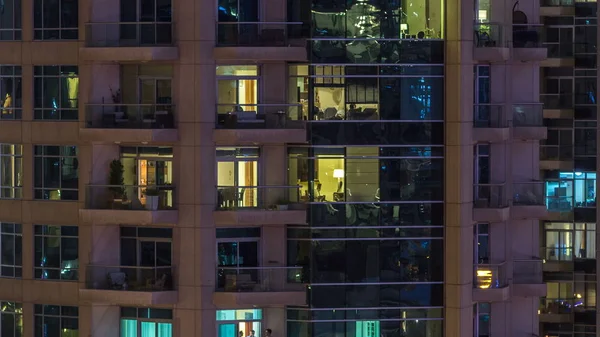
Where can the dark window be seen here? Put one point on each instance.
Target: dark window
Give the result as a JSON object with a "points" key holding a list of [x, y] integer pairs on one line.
{"points": [[56, 91], [56, 321], [56, 252], [55, 19], [11, 246], [11, 319], [10, 90], [56, 172], [10, 20]]}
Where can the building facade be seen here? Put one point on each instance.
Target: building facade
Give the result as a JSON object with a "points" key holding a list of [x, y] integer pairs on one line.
{"points": [[240, 168]]}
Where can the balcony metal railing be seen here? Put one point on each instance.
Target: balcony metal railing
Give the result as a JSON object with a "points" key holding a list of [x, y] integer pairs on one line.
{"points": [[556, 152], [130, 197], [528, 115], [489, 35], [527, 35], [10, 113], [490, 276], [257, 197], [489, 116], [490, 196], [556, 306], [557, 3], [129, 278], [528, 193], [129, 116], [527, 271], [260, 279], [557, 101], [13, 192], [260, 116], [557, 253], [129, 34], [256, 34]]}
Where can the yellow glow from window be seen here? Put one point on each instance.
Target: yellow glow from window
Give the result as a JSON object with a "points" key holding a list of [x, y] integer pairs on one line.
{"points": [[484, 278]]}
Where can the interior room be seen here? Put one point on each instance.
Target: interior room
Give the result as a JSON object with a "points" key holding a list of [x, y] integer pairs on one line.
{"points": [[239, 323], [573, 189], [237, 89], [566, 241], [237, 173]]}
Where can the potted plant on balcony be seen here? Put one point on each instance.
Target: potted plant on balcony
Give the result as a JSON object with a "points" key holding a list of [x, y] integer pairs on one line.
{"points": [[116, 182], [151, 198]]}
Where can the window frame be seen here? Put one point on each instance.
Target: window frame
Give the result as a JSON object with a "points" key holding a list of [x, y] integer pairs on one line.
{"points": [[39, 73], [16, 191], [61, 237], [60, 316], [62, 156], [14, 110], [139, 320], [16, 234], [39, 29], [16, 313]]}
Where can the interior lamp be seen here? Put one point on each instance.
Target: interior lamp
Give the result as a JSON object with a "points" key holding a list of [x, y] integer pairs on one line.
{"points": [[482, 15], [339, 174]]}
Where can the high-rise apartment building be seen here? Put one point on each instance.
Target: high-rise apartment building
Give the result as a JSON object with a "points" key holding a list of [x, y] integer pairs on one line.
{"points": [[235, 168], [568, 160]]}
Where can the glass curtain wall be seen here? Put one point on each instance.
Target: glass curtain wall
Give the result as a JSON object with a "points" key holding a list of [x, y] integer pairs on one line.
{"points": [[372, 171]]}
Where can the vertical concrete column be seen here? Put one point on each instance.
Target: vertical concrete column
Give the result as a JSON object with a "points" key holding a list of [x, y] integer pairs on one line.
{"points": [[273, 164], [28, 319], [27, 22], [274, 83]]}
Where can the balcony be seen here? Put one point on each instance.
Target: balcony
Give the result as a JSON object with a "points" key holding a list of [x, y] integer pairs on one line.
{"points": [[557, 259], [259, 124], [560, 51], [490, 123], [490, 283], [265, 205], [129, 123], [557, 8], [490, 203], [558, 105], [555, 310], [527, 42], [129, 285], [528, 278], [490, 43], [528, 121], [556, 157], [129, 42], [264, 41], [528, 201], [260, 286], [136, 205]]}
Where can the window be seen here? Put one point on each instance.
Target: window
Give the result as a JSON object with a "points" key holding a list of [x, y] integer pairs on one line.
{"points": [[240, 322], [146, 322], [237, 90], [56, 252], [585, 240], [237, 174], [10, 20], [482, 243], [55, 20], [559, 241], [558, 145], [571, 188], [585, 138], [481, 315], [10, 90], [11, 319], [11, 246], [56, 321], [11, 171], [557, 85], [56, 90], [238, 255], [56, 171]]}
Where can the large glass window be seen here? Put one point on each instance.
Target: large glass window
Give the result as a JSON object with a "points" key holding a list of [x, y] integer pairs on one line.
{"points": [[56, 172], [585, 240], [565, 241], [11, 319], [482, 243], [11, 246], [239, 323], [55, 19], [56, 321], [482, 316], [11, 171], [56, 92], [238, 255], [146, 322], [572, 189], [149, 166], [56, 252], [238, 93], [237, 176], [10, 20], [10, 89]]}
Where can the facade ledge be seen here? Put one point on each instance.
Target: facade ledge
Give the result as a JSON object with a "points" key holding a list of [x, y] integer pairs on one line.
{"points": [[559, 113], [529, 212], [284, 53], [557, 10], [128, 298], [491, 295], [50, 212], [133, 217], [530, 54], [129, 54], [11, 210], [259, 136], [556, 318], [530, 132], [259, 299], [529, 290], [558, 266], [492, 135], [491, 54], [555, 62], [259, 216], [11, 131], [563, 165], [491, 215], [129, 135]]}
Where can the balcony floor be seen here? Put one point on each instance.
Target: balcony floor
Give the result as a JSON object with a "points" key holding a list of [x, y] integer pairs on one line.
{"points": [[259, 299], [242, 217], [129, 54], [129, 135], [128, 298], [134, 217]]}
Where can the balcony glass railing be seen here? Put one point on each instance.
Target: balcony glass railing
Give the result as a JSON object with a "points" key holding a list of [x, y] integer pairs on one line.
{"points": [[528, 194], [527, 271], [559, 203], [257, 34], [557, 101], [527, 35], [557, 3], [129, 34], [557, 253], [490, 276], [489, 116], [257, 197], [556, 152], [489, 35], [556, 306], [129, 278], [490, 196], [260, 116], [129, 197], [129, 116], [528, 115], [260, 279]]}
